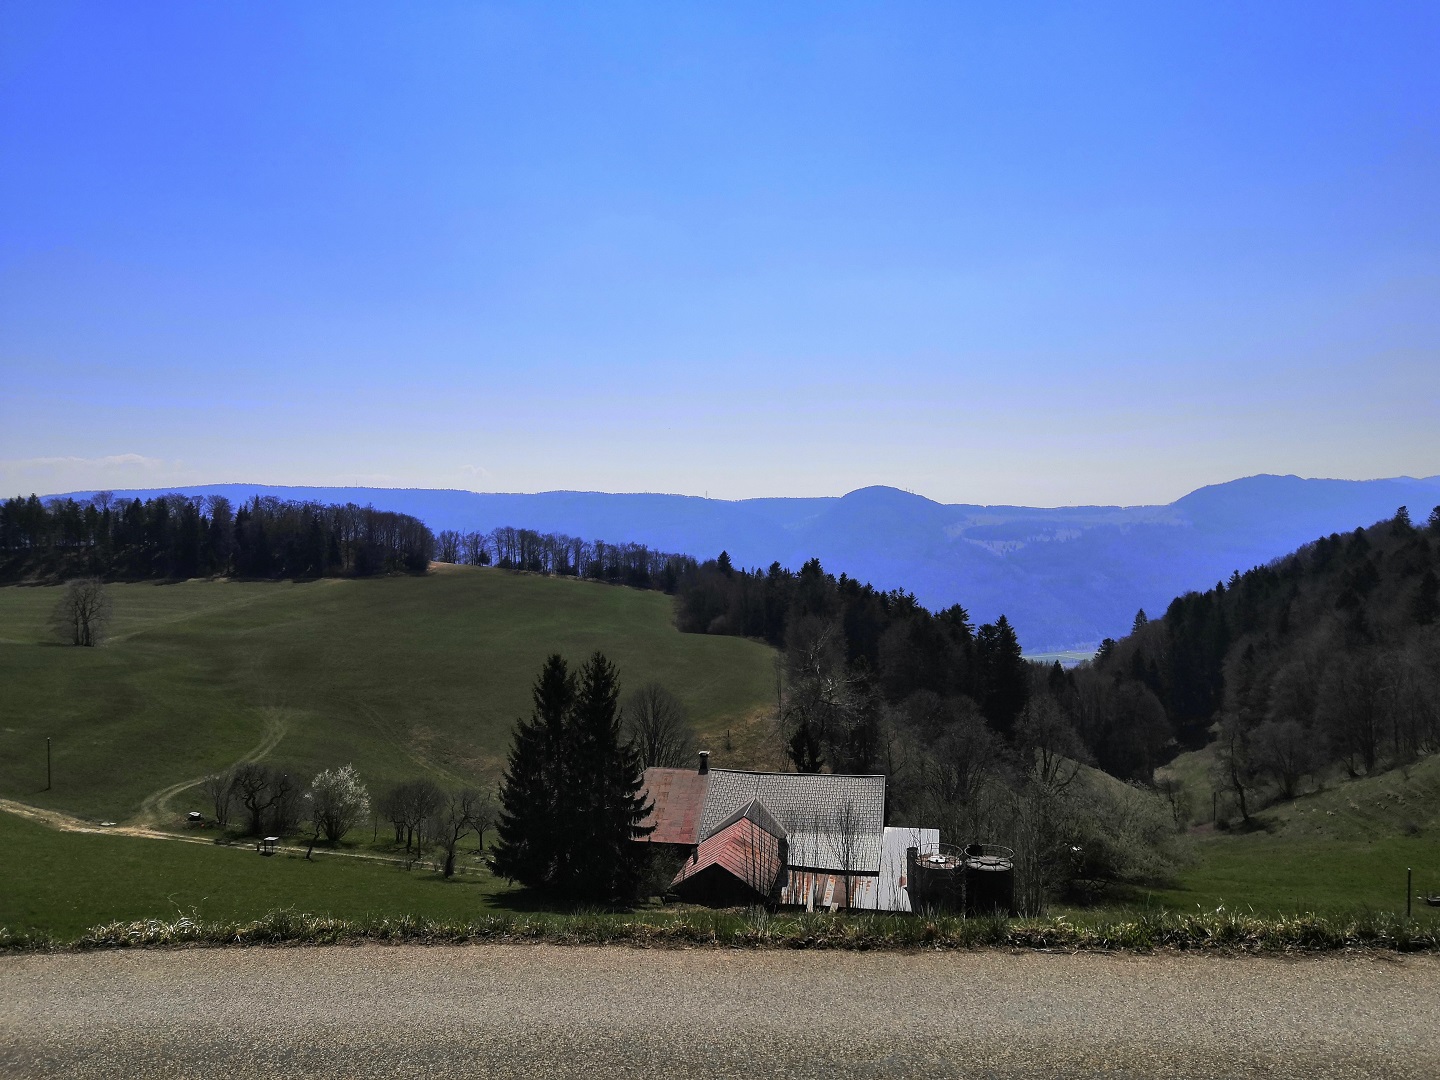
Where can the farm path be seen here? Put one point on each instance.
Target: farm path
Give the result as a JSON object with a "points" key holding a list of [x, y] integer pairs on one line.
{"points": [[58, 819], [156, 806], [554, 1011]]}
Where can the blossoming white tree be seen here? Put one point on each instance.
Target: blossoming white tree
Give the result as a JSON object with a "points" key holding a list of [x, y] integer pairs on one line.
{"points": [[338, 800]]}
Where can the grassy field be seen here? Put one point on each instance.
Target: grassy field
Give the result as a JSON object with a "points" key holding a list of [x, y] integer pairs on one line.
{"points": [[400, 676], [64, 883], [1341, 847]]}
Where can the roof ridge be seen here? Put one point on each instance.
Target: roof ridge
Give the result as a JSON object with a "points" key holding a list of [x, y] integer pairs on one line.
{"points": [[825, 775], [754, 811]]}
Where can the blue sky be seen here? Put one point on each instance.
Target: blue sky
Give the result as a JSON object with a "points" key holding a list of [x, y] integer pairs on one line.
{"points": [[1039, 254]]}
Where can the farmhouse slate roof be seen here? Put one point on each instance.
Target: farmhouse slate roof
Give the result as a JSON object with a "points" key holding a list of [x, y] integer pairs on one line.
{"points": [[830, 820]]}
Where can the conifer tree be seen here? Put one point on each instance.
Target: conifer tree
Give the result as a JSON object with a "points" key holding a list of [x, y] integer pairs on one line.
{"points": [[570, 799], [607, 865], [1005, 678], [534, 794]]}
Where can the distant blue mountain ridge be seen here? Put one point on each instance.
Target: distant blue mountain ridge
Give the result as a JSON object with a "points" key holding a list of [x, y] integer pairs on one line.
{"points": [[1065, 576]]}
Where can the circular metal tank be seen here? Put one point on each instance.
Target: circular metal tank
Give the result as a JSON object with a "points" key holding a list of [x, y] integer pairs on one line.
{"points": [[988, 872], [934, 879]]}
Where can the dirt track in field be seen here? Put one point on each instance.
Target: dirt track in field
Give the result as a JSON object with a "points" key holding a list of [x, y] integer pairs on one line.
{"points": [[537, 1010]]}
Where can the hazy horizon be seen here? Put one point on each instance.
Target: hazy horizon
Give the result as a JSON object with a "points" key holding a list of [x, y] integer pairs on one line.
{"points": [[703, 495]]}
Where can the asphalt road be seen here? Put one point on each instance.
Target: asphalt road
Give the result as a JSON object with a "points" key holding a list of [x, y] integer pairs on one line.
{"points": [[535, 1010]]}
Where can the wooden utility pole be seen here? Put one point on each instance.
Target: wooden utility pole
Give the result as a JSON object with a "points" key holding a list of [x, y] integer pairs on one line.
{"points": [[47, 762]]}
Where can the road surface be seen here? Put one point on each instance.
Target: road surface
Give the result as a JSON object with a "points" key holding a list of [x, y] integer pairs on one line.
{"points": [[539, 1010]]}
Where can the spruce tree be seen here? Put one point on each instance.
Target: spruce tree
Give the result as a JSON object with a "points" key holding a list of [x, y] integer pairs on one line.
{"points": [[535, 800], [606, 864], [1004, 674], [570, 802]]}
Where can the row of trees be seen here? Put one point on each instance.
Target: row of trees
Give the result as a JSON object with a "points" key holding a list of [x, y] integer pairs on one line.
{"points": [[276, 800], [427, 817], [182, 536], [510, 548], [850, 647], [265, 799]]}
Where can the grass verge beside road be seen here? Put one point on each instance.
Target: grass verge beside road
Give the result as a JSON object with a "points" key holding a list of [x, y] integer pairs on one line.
{"points": [[761, 929]]}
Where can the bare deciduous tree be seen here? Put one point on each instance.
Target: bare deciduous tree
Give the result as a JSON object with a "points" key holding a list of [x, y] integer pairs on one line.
{"points": [[484, 817], [1177, 797], [762, 860], [963, 761], [1287, 751], [1234, 766], [456, 815], [219, 788], [83, 612], [409, 806], [271, 798], [846, 837], [656, 725]]}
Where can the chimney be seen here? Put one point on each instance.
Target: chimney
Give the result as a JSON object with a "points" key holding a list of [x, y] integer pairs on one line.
{"points": [[704, 762]]}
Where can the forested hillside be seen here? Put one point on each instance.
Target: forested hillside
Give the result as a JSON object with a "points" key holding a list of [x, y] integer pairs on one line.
{"points": [[180, 536], [1329, 657]]}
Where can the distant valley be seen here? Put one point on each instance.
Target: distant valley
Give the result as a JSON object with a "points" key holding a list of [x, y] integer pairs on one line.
{"points": [[1066, 576]]}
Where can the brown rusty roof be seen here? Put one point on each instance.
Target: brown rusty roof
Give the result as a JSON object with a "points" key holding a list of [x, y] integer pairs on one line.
{"points": [[679, 797], [745, 850]]}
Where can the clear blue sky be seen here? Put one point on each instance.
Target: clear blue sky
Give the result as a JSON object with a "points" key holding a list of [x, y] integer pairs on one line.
{"points": [[990, 252]]}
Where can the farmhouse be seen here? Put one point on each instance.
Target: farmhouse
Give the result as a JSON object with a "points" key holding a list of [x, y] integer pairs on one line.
{"points": [[812, 840]]}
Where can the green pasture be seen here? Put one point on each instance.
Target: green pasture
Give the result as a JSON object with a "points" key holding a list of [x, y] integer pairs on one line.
{"points": [[400, 676], [63, 882], [1344, 845]]}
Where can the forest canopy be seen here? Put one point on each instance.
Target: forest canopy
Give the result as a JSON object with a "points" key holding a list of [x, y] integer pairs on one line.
{"points": [[182, 536]]}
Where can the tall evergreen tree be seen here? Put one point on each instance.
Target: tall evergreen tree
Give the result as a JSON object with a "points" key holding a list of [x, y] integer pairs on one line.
{"points": [[605, 863], [570, 800], [534, 802], [1004, 675]]}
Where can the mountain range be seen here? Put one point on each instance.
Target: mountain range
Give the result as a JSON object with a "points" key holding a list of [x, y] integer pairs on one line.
{"points": [[1065, 576]]}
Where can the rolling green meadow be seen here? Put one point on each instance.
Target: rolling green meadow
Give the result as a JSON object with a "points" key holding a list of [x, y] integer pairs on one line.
{"points": [[401, 676]]}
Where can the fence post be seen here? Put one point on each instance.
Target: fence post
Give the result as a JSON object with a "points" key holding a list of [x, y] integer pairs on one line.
{"points": [[1408, 890]]}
